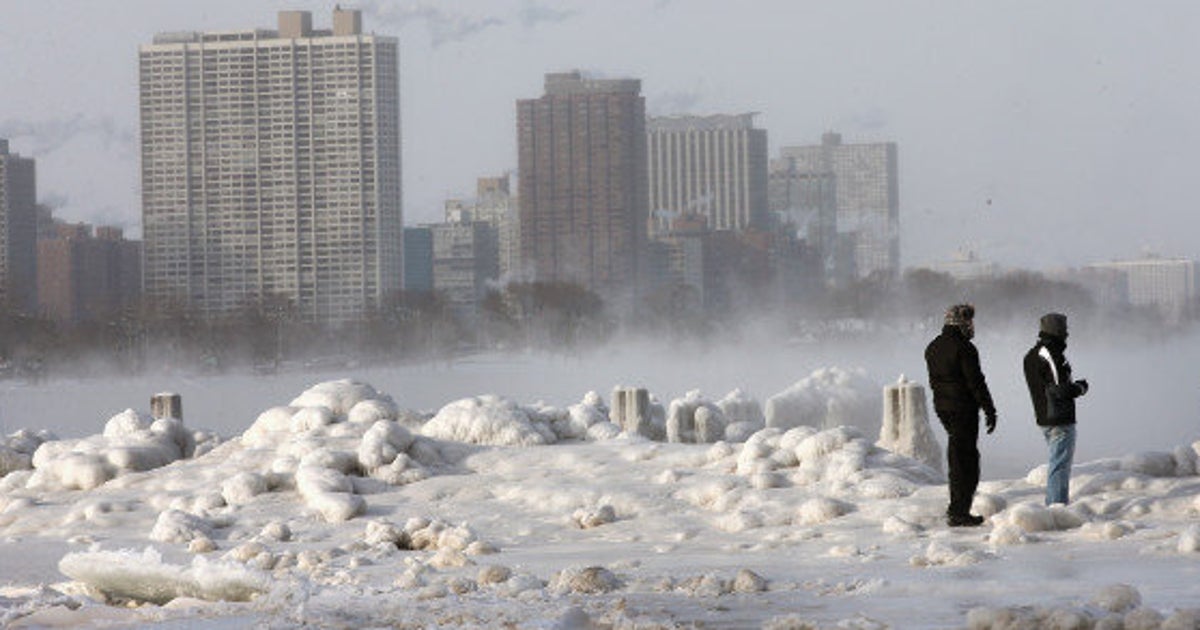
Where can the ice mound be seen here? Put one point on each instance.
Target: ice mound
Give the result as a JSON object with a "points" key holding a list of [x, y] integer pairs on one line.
{"points": [[144, 577], [489, 420], [839, 461], [130, 442], [324, 442], [338, 396], [17, 449], [743, 415], [1115, 606], [825, 399]]}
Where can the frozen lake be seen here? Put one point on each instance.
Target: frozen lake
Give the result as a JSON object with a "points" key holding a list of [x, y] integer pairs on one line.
{"points": [[1143, 396]]}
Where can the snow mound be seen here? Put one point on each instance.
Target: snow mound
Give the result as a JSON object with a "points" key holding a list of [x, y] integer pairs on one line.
{"points": [[587, 581], [1114, 606], [338, 396], [489, 420], [17, 449], [130, 442], [144, 577], [839, 462], [827, 398], [743, 416], [1031, 517]]}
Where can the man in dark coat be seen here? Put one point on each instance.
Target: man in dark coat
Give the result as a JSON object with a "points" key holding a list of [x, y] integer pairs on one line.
{"points": [[1048, 374], [959, 392]]}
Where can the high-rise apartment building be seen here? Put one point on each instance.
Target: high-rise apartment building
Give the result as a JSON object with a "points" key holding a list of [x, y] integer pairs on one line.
{"points": [[714, 166], [866, 192], [18, 231], [271, 168], [464, 263], [494, 205], [84, 276], [582, 192]]}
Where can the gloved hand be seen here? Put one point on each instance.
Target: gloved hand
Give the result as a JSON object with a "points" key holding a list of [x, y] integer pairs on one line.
{"points": [[991, 423], [1082, 384]]}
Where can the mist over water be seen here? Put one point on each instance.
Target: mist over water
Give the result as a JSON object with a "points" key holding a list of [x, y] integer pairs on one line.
{"points": [[1145, 394]]}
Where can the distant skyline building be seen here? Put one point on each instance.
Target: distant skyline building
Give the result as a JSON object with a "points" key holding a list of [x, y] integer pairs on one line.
{"points": [[1167, 284], [84, 275], [714, 166], [493, 204], [418, 258], [804, 204], [464, 264], [583, 194], [18, 231], [867, 194], [271, 168]]}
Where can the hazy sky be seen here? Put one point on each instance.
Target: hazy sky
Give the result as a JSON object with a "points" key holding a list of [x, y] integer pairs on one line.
{"points": [[1035, 133]]}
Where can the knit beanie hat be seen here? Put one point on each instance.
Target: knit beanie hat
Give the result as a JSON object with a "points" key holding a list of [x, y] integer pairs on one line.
{"points": [[960, 315], [1054, 324]]}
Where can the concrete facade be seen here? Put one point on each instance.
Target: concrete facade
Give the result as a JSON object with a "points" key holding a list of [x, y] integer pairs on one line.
{"points": [[271, 168]]}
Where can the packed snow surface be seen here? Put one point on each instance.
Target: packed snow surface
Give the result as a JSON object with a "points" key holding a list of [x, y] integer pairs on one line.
{"points": [[822, 507]]}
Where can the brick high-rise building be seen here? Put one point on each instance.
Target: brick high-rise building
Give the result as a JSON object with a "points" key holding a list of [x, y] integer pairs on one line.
{"points": [[271, 168], [18, 231], [582, 189], [715, 166], [866, 192], [84, 277]]}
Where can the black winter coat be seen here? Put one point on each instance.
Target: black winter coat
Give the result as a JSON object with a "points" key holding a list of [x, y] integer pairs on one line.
{"points": [[1048, 374], [959, 388]]}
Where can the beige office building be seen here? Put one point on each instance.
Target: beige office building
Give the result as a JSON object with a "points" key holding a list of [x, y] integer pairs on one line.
{"points": [[271, 168], [712, 166]]}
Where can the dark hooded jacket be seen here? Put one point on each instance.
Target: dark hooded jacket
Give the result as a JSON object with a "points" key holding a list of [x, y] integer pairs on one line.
{"points": [[959, 388], [1048, 374]]}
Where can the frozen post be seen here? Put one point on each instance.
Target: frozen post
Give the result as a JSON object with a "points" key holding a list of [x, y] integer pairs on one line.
{"points": [[905, 427], [630, 410], [166, 405]]}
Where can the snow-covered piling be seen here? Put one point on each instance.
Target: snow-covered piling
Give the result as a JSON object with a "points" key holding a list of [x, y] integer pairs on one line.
{"points": [[905, 427], [166, 405], [630, 410]]}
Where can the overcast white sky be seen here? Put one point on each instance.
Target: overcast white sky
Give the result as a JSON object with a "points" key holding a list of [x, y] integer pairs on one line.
{"points": [[1038, 134]]}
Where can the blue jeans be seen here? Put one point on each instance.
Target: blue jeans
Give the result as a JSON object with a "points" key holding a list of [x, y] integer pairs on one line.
{"points": [[1061, 440]]}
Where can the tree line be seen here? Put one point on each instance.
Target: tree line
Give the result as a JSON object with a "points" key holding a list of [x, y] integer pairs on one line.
{"points": [[560, 317]]}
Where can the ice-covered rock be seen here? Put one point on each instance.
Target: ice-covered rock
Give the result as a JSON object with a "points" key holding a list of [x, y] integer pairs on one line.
{"points": [[339, 396], [827, 398], [490, 420]]}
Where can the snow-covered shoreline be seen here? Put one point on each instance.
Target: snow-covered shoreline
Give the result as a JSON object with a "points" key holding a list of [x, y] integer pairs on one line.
{"points": [[342, 508]]}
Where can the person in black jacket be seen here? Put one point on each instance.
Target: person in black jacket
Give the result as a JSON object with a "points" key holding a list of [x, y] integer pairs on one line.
{"points": [[959, 392], [1048, 374]]}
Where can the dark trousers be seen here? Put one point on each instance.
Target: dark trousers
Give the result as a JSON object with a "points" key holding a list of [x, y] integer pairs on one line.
{"points": [[962, 457]]}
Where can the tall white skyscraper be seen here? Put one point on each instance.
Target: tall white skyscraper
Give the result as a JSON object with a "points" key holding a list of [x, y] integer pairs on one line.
{"points": [[271, 168], [712, 166]]}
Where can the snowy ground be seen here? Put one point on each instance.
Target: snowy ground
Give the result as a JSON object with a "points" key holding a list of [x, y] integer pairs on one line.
{"points": [[343, 507], [496, 492]]}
